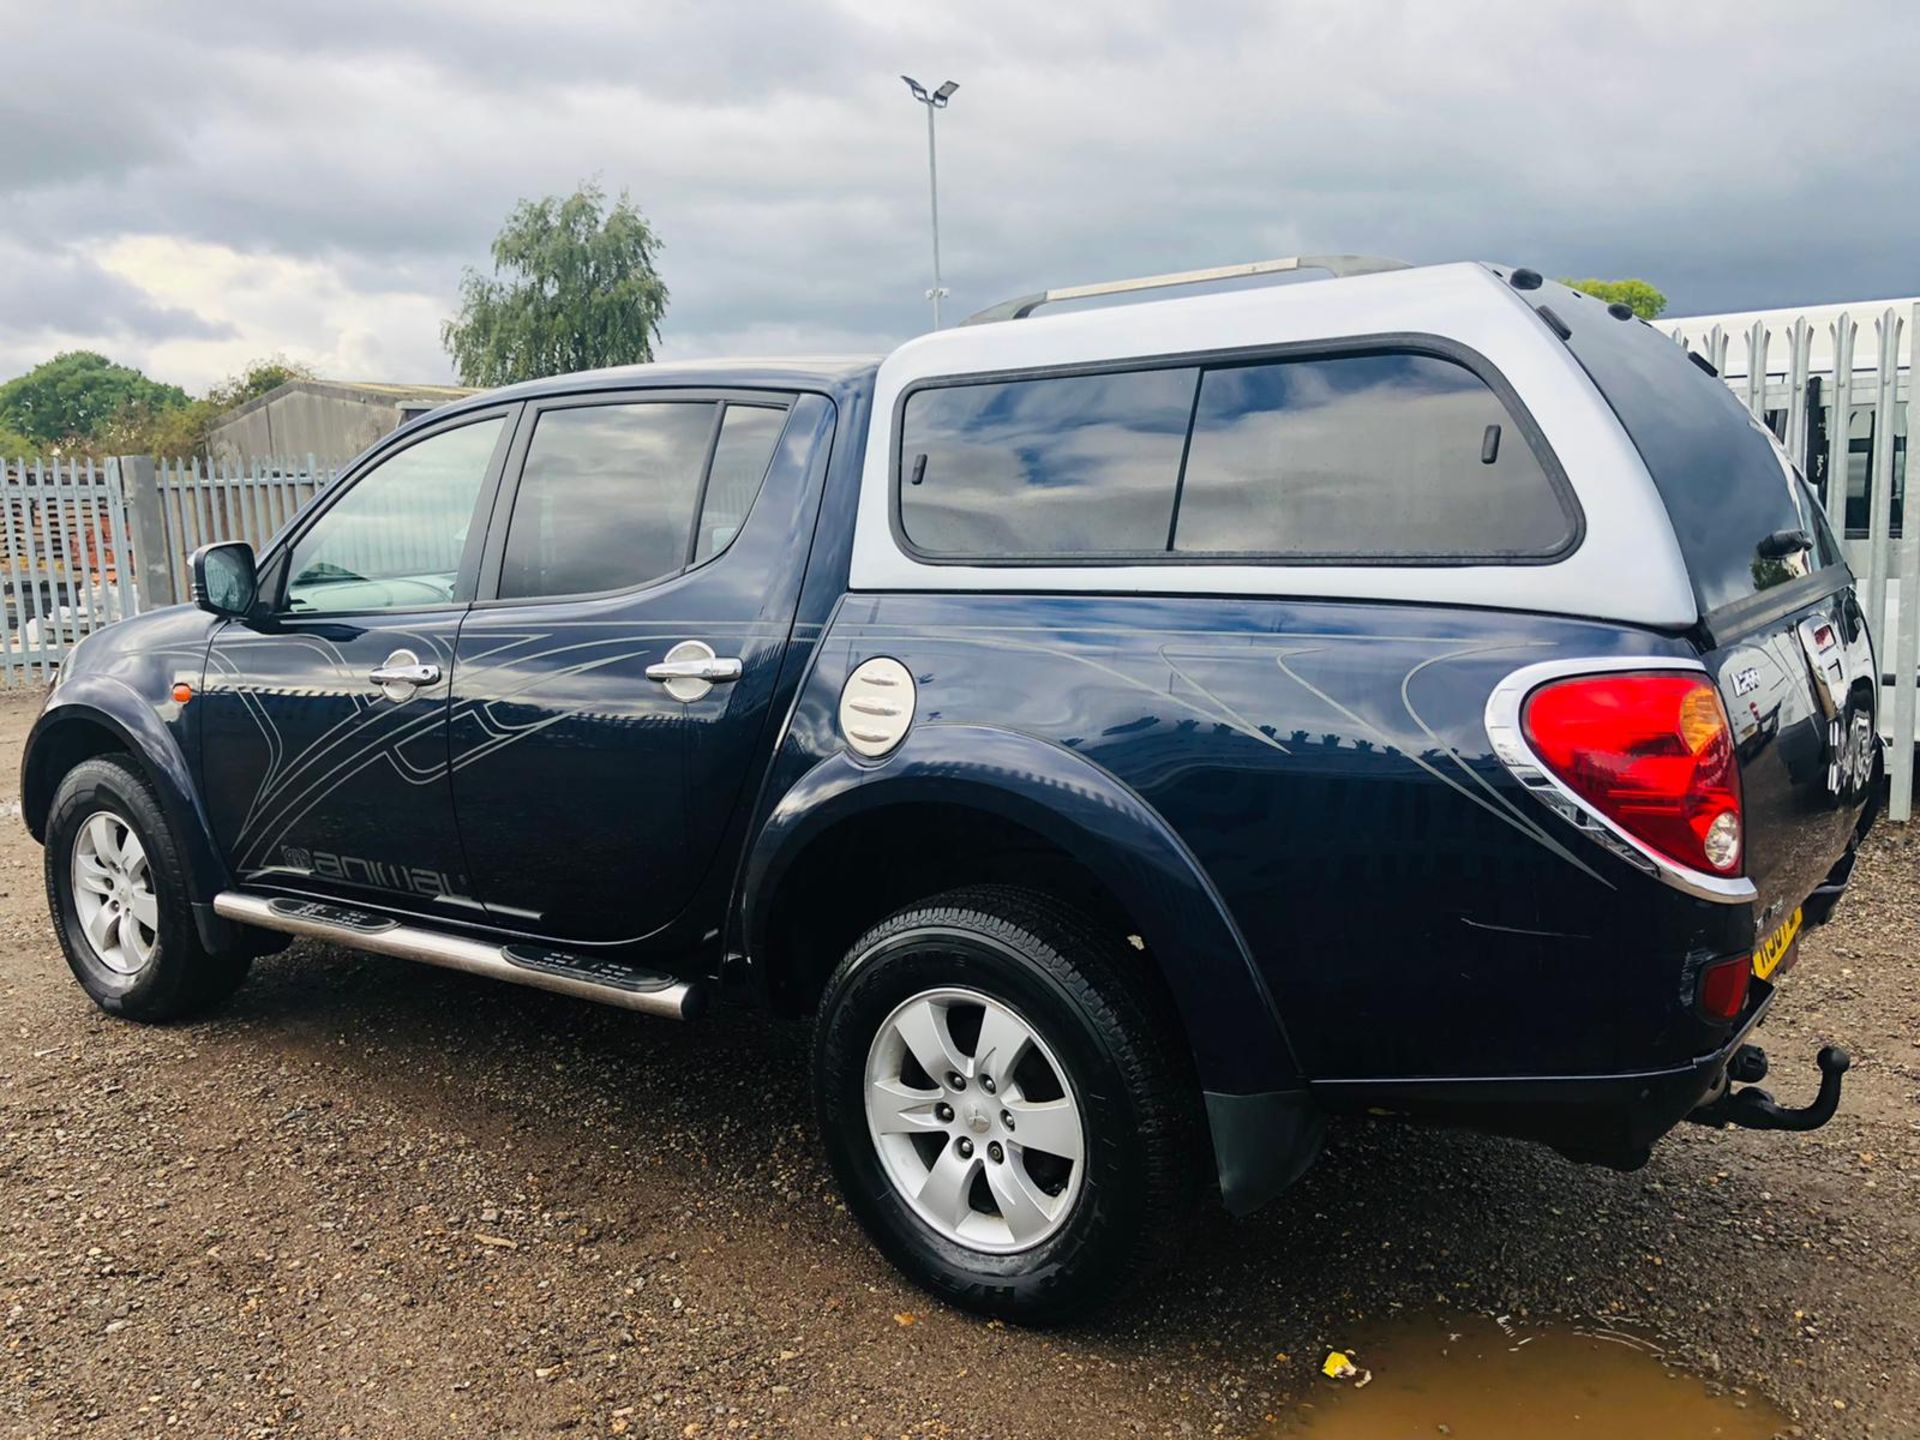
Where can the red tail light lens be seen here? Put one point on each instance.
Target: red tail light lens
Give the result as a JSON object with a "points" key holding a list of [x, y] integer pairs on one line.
{"points": [[1651, 752], [1723, 988]]}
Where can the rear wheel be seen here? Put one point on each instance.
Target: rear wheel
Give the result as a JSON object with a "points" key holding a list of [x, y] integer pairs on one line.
{"points": [[1006, 1112], [117, 891]]}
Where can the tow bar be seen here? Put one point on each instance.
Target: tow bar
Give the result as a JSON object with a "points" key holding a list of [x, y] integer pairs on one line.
{"points": [[1756, 1109]]}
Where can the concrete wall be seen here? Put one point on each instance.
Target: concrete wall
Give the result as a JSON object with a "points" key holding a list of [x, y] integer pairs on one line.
{"points": [[310, 417]]}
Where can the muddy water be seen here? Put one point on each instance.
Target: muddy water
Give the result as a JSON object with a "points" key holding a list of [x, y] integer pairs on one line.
{"points": [[1478, 1378]]}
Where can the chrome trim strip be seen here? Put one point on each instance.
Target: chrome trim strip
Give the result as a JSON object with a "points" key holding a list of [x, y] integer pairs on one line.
{"points": [[1510, 747], [406, 942]]}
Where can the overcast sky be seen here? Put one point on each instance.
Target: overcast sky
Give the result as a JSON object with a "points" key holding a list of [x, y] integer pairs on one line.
{"points": [[188, 186]]}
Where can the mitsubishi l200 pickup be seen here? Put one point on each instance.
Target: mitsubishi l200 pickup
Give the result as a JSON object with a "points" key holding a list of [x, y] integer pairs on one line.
{"points": [[1128, 735]]}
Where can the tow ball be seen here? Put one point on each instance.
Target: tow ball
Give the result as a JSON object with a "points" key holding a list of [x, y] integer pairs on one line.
{"points": [[1756, 1109]]}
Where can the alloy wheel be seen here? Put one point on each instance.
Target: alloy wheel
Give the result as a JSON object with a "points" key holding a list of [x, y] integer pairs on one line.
{"points": [[976, 1122], [113, 893]]}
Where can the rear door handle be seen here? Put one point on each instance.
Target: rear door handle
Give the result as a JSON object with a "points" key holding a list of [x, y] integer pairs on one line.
{"points": [[715, 671], [691, 669]]}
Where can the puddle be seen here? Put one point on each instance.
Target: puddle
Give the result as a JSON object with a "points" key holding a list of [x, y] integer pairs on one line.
{"points": [[1476, 1378]]}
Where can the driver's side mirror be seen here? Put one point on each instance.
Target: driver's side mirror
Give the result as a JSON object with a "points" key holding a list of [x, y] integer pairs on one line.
{"points": [[225, 581]]}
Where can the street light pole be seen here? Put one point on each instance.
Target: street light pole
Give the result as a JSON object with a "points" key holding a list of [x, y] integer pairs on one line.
{"points": [[937, 100], [933, 204]]}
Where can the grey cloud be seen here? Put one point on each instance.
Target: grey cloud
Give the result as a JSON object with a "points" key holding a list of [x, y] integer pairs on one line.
{"points": [[45, 291], [783, 163], [48, 147]]}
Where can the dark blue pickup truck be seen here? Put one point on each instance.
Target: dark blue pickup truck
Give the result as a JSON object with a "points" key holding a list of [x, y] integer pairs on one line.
{"points": [[1130, 735]]}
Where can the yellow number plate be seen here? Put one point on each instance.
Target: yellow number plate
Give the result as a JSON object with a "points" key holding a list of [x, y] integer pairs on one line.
{"points": [[1772, 950]]}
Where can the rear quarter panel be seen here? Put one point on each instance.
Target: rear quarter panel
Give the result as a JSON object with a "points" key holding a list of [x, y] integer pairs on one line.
{"points": [[1411, 912]]}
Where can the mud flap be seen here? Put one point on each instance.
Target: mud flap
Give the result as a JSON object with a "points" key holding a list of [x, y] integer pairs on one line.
{"points": [[1262, 1143]]}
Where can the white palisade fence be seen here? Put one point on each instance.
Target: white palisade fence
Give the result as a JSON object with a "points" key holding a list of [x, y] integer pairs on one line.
{"points": [[64, 534], [201, 502], [84, 542]]}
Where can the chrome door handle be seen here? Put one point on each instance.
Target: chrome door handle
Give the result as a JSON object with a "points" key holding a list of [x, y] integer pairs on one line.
{"points": [[691, 670], [715, 671], [403, 674], [428, 674]]}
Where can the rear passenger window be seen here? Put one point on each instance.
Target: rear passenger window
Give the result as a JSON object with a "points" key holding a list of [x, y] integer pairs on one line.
{"points": [[1066, 466], [608, 493], [606, 498], [1363, 456], [740, 458]]}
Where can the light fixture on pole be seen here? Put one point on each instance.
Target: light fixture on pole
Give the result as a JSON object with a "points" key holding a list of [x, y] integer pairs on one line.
{"points": [[937, 100]]}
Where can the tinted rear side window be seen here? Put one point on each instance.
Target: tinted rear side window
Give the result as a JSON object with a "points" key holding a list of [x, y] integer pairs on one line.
{"points": [[1364, 456], [1374, 455], [1724, 486], [1069, 465], [740, 459], [606, 498]]}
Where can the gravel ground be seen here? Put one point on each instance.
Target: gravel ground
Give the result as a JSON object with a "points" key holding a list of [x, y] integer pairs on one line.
{"points": [[373, 1199]]}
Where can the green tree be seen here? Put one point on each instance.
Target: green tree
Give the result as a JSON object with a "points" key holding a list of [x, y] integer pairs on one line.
{"points": [[178, 432], [257, 379], [1637, 295], [15, 446], [574, 288], [68, 399]]}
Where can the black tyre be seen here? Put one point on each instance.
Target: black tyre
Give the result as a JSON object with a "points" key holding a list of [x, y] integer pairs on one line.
{"points": [[117, 890], [1030, 1187]]}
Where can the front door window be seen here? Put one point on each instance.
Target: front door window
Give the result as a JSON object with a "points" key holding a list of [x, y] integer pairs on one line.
{"points": [[394, 541]]}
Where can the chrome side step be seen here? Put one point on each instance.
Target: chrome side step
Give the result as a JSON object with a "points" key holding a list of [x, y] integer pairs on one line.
{"points": [[608, 983]]}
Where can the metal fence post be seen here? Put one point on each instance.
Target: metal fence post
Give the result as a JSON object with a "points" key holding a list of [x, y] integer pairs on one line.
{"points": [[1757, 371], [142, 487], [1880, 484], [126, 585], [1799, 362], [1905, 643], [1840, 422]]}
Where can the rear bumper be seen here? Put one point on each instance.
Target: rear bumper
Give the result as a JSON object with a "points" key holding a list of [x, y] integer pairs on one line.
{"points": [[1610, 1120], [1262, 1143]]}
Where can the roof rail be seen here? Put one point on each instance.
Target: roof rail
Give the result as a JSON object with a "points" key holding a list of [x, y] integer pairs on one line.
{"points": [[1336, 265]]}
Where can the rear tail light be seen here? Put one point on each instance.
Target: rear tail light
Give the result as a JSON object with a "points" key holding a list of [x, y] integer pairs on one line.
{"points": [[1723, 988], [1651, 752]]}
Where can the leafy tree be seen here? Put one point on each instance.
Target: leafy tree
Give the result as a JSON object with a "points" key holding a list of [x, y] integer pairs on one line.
{"points": [[71, 397], [181, 431], [1637, 295], [576, 289], [136, 429], [15, 446], [257, 379]]}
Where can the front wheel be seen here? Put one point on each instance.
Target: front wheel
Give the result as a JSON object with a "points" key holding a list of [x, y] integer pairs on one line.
{"points": [[1008, 1113], [116, 885]]}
